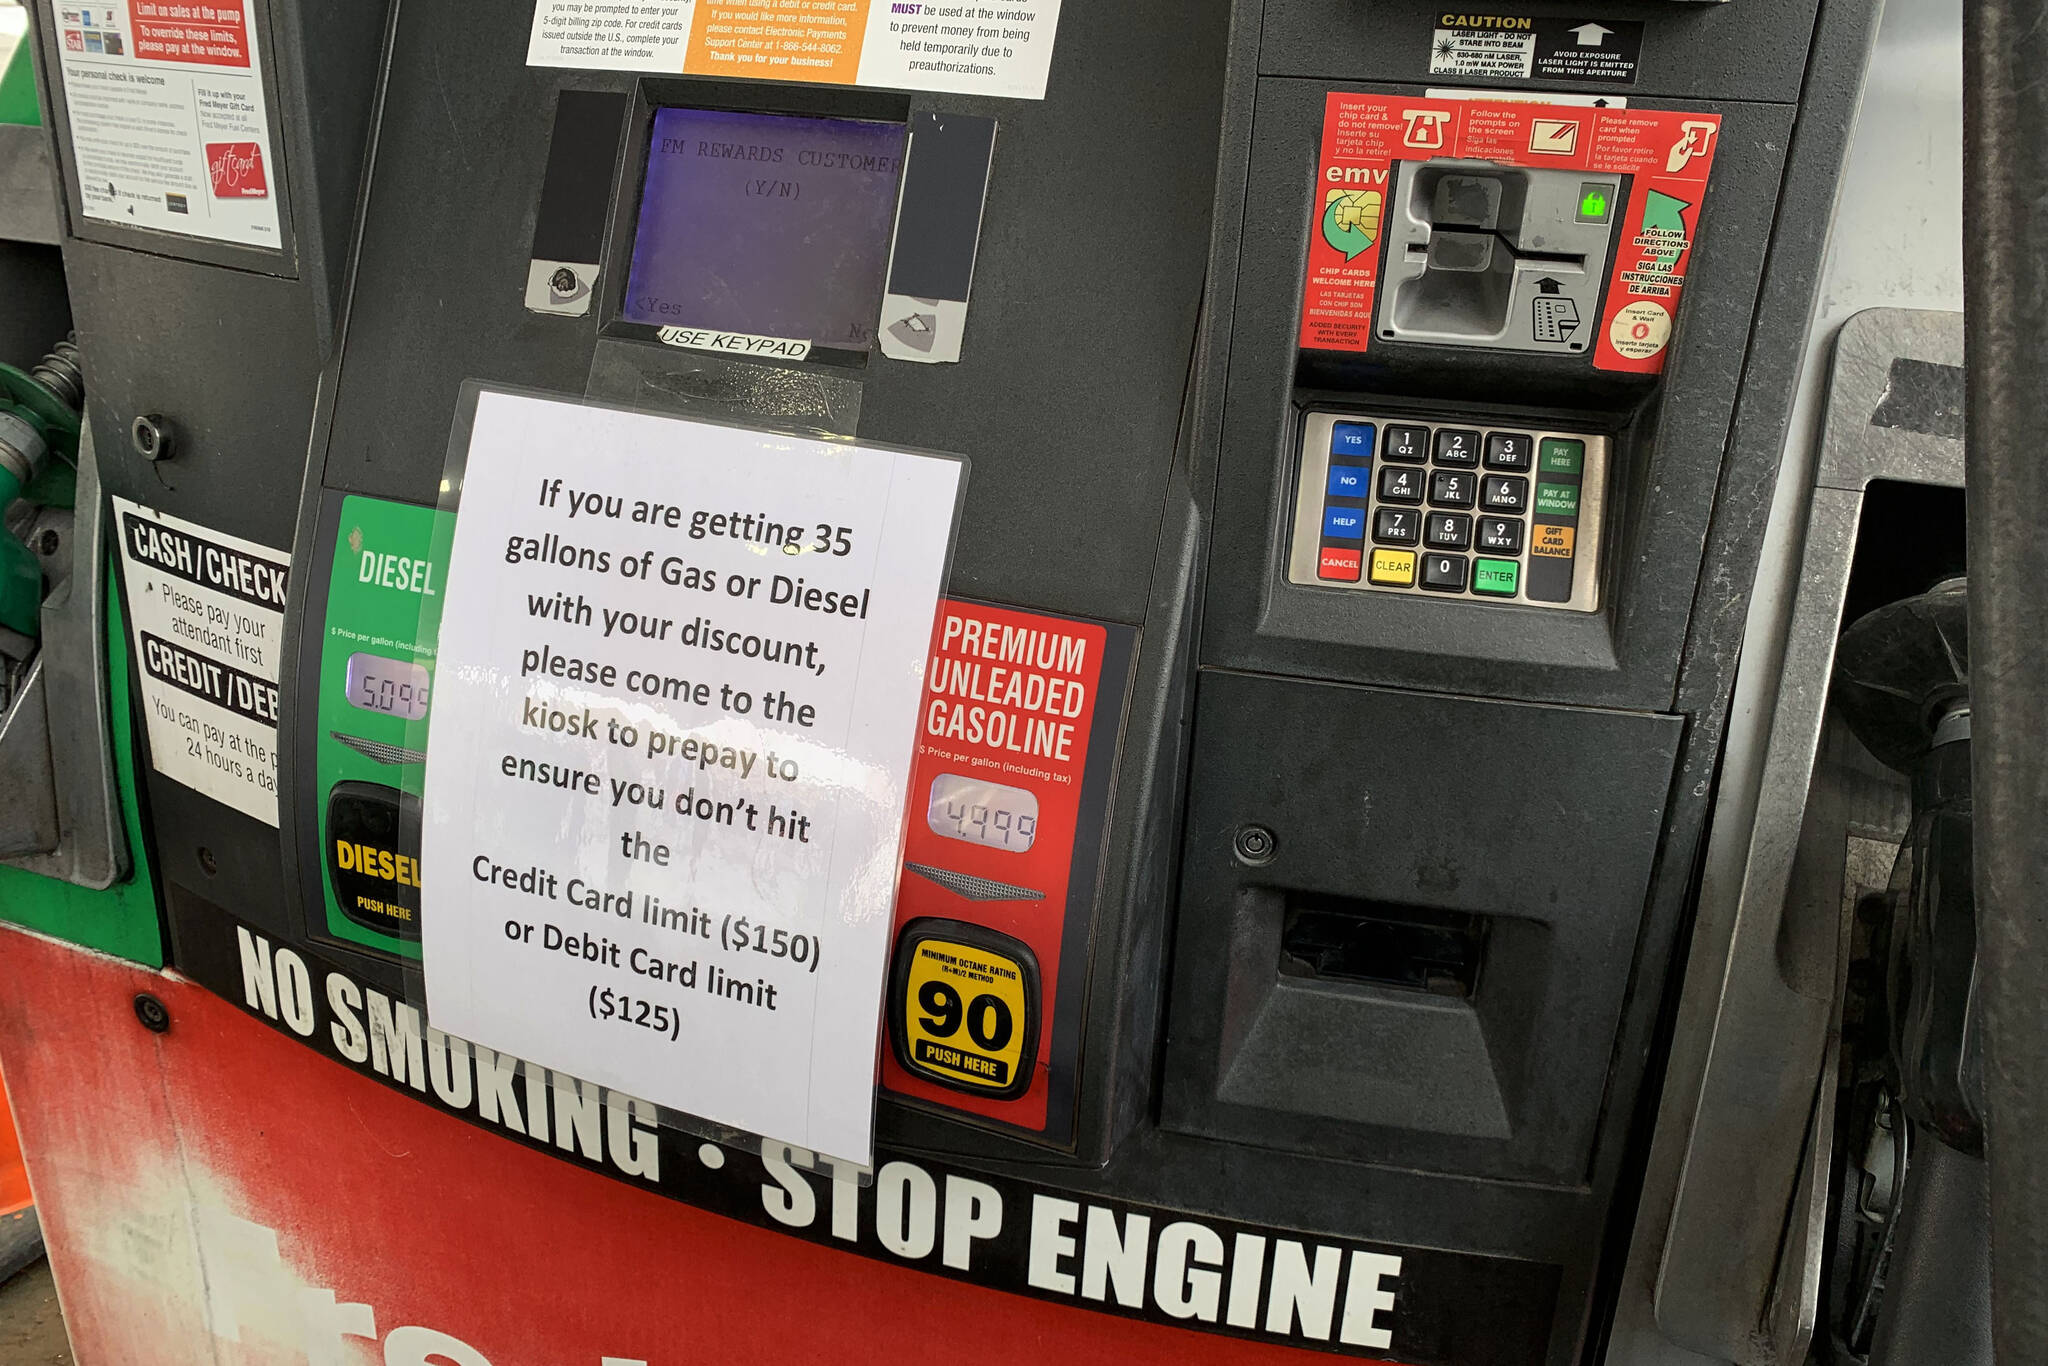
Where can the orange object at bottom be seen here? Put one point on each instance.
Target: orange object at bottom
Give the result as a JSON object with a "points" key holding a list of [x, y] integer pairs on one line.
{"points": [[14, 1196]]}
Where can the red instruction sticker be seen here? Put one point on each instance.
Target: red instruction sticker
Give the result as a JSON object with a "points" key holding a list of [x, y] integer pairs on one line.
{"points": [[188, 31], [236, 170], [1017, 735], [1667, 155]]}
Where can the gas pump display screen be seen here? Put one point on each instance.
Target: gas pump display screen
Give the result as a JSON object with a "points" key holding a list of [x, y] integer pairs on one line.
{"points": [[772, 225], [982, 812], [389, 687]]}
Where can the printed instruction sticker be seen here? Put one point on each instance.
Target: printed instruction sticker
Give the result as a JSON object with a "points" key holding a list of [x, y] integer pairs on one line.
{"points": [[1543, 48], [997, 47], [1667, 156], [206, 611], [168, 129], [677, 692]]}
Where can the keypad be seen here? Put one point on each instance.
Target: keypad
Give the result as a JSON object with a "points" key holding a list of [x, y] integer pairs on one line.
{"points": [[1452, 510]]}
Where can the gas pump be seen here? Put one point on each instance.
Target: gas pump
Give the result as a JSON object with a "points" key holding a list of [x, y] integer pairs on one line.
{"points": [[1372, 414]]}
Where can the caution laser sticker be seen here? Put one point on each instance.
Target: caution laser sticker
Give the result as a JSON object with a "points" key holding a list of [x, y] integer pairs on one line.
{"points": [[1661, 160]]}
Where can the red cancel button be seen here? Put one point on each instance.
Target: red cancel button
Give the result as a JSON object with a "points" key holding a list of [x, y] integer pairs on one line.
{"points": [[1338, 564], [236, 169]]}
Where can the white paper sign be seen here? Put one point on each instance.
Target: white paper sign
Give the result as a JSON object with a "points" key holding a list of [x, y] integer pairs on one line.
{"points": [[972, 49], [673, 721], [165, 102], [206, 613]]}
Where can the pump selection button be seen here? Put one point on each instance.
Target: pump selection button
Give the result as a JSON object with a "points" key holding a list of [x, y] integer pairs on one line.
{"points": [[1505, 493], [1393, 568], [1510, 450], [1444, 573], [1400, 486], [1501, 534], [1344, 524], [1450, 531], [1410, 444], [1560, 455], [1351, 440], [1396, 526], [1496, 578], [1557, 500], [1457, 447], [1451, 488], [1351, 481], [1339, 564]]}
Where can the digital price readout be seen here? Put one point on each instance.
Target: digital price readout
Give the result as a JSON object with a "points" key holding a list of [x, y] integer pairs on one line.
{"points": [[388, 687], [977, 811]]}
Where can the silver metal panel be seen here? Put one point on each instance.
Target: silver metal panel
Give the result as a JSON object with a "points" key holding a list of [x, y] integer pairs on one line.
{"points": [[28, 186], [1897, 241]]}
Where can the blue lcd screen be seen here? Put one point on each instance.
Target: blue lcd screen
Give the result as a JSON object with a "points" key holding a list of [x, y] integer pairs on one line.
{"points": [[774, 225]]}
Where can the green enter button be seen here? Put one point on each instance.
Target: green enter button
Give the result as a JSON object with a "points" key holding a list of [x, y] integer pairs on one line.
{"points": [[1496, 578]]}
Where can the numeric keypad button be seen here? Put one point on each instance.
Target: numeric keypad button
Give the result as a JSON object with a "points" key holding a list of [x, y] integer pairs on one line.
{"points": [[1449, 531], [1410, 445], [1455, 446], [1396, 526], [1398, 485], [1452, 488], [1445, 573], [1505, 493], [1514, 451], [1502, 535]]}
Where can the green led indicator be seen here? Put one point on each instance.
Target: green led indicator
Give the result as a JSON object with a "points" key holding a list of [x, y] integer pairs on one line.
{"points": [[1594, 205]]}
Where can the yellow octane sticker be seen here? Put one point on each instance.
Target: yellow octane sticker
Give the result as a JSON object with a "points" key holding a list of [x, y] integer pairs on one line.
{"points": [[964, 1021]]}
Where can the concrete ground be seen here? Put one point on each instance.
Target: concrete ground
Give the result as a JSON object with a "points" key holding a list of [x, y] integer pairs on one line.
{"points": [[31, 1328]]}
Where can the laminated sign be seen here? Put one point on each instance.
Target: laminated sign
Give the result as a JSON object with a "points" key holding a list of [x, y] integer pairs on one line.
{"points": [[1663, 157], [165, 104], [678, 676], [1000, 48]]}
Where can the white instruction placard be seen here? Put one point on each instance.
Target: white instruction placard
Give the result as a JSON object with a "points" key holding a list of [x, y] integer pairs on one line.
{"points": [[677, 692], [168, 129], [206, 614], [994, 47]]}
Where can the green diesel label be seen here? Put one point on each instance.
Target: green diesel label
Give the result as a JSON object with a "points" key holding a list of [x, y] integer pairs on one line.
{"points": [[376, 693]]}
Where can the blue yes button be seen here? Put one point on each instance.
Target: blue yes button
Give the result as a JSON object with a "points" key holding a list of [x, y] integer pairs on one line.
{"points": [[1350, 481], [1344, 524], [1351, 440]]}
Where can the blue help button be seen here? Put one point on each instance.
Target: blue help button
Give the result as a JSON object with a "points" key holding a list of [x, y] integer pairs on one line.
{"points": [[1351, 439], [1350, 481], [1344, 524]]}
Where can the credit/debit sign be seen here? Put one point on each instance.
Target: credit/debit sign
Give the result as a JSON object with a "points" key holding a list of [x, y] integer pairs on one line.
{"points": [[966, 1007]]}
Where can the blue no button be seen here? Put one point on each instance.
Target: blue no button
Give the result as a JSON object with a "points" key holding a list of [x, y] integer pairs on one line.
{"points": [[1352, 440], [1350, 481], [1344, 524]]}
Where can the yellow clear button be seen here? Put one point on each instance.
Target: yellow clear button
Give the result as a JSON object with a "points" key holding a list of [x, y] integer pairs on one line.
{"points": [[1393, 568]]}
